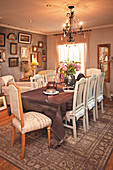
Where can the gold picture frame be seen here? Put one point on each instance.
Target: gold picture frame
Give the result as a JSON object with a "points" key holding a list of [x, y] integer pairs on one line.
{"points": [[24, 52], [3, 104]]}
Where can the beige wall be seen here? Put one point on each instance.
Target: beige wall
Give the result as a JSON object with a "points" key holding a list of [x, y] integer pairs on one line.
{"points": [[97, 36], [51, 59], [101, 36]]}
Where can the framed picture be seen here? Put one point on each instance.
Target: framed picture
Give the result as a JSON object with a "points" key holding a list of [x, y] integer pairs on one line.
{"points": [[24, 52], [34, 48], [2, 55], [13, 48], [13, 62], [40, 44], [44, 59], [2, 40], [24, 66], [24, 38], [32, 57], [3, 104], [12, 36], [43, 52]]}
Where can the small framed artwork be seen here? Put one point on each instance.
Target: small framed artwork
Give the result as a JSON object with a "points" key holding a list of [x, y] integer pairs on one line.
{"points": [[3, 104], [34, 48], [40, 44], [12, 36], [24, 38], [33, 57], [44, 59], [43, 52], [24, 66], [13, 48], [2, 55], [24, 52], [2, 40], [13, 62]]}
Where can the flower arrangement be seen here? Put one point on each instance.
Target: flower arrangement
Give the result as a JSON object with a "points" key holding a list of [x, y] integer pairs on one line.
{"points": [[68, 67]]}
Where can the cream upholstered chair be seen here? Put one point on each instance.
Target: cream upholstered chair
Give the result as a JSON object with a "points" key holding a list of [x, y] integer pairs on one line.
{"points": [[92, 71], [27, 122], [90, 98], [99, 92], [78, 106], [50, 77], [39, 81]]}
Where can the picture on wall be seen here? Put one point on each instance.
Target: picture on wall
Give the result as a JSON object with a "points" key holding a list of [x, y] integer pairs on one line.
{"points": [[13, 48], [44, 59], [40, 44], [24, 38], [24, 66], [2, 55], [34, 48], [12, 36], [13, 62], [2, 40], [43, 52], [24, 52], [3, 104]]}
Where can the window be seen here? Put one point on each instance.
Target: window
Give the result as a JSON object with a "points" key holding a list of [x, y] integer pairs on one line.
{"points": [[73, 52]]}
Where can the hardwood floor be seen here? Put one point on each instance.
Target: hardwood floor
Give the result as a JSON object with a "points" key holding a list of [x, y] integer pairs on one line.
{"points": [[5, 165]]}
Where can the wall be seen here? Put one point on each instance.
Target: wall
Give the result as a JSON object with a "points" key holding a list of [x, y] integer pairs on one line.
{"points": [[15, 71], [101, 36]]}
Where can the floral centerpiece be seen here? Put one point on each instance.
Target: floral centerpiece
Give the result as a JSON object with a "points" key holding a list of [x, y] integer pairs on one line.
{"points": [[67, 67]]}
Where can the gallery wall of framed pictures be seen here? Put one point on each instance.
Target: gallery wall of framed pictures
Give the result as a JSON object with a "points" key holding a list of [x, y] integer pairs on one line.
{"points": [[16, 48]]}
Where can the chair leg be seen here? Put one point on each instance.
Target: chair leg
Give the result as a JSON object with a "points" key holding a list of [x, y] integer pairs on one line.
{"points": [[48, 130], [87, 119], [102, 110], [96, 110], [84, 123], [13, 135], [94, 115], [23, 146], [74, 128]]}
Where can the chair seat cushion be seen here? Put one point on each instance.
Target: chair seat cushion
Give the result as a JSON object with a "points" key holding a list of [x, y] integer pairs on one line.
{"points": [[79, 113], [32, 121], [100, 98], [91, 104]]}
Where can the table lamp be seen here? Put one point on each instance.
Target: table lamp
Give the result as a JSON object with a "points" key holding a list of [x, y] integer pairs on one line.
{"points": [[34, 63]]}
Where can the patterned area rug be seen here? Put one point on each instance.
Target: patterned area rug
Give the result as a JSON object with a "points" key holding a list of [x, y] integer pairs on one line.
{"points": [[90, 152]]}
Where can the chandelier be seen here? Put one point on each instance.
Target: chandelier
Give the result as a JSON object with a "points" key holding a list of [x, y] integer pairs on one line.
{"points": [[70, 29]]}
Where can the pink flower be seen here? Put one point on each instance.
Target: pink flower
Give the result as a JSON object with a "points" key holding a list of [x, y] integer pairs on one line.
{"points": [[78, 68]]}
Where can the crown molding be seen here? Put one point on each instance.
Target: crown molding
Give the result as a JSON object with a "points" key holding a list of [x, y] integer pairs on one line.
{"points": [[22, 29]]}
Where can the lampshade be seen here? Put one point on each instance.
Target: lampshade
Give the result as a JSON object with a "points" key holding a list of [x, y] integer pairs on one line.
{"points": [[34, 62]]}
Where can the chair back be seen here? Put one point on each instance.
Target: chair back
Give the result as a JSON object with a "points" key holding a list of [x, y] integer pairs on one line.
{"points": [[91, 88], [79, 94], [93, 71], [100, 84], [38, 80], [15, 101]]}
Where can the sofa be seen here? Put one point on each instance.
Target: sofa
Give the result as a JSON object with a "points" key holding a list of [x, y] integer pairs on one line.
{"points": [[4, 85]]}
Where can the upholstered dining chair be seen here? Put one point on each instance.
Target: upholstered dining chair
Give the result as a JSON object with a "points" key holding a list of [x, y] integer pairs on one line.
{"points": [[78, 106], [99, 92], [93, 71], [50, 77], [90, 98], [27, 122], [38, 80]]}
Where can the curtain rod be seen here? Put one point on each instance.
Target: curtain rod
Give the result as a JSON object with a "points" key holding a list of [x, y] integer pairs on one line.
{"points": [[74, 32]]}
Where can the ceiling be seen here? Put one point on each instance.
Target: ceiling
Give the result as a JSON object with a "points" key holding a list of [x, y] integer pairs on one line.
{"points": [[49, 19]]}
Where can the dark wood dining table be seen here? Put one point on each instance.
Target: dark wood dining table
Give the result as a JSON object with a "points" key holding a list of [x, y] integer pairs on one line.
{"points": [[54, 106]]}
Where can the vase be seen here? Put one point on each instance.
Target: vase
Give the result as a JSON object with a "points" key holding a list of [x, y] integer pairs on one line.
{"points": [[69, 80]]}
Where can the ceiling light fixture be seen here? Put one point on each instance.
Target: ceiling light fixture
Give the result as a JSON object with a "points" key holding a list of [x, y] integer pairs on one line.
{"points": [[71, 28]]}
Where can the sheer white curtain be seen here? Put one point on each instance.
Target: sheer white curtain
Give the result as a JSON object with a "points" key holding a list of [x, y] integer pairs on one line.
{"points": [[73, 52]]}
